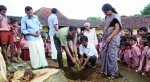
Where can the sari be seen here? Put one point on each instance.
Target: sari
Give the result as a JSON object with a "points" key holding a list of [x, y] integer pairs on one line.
{"points": [[110, 50]]}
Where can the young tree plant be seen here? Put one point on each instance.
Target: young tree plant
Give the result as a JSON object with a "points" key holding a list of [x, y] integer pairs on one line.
{"points": [[77, 67]]}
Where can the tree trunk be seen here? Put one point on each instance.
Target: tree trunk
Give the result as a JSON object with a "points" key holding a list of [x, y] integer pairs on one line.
{"points": [[41, 75]]}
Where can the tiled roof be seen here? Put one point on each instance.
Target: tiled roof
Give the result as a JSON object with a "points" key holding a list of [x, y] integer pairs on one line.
{"points": [[43, 14], [134, 21], [80, 23]]}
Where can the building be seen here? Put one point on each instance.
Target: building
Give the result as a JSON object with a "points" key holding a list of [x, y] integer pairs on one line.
{"points": [[134, 22]]}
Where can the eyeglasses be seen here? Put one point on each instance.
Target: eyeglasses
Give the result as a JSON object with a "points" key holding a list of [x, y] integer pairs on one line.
{"points": [[86, 26]]}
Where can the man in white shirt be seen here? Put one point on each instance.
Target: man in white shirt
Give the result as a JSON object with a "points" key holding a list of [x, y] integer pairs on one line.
{"points": [[88, 51], [53, 28], [91, 34]]}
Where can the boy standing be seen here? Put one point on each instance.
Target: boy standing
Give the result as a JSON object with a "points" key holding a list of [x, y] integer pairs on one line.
{"points": [[16, 36], [6, 35]]}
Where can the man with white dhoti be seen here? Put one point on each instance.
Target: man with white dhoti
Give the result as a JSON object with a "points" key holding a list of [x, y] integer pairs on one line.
{"points": [[53, 28], [30, 26]]}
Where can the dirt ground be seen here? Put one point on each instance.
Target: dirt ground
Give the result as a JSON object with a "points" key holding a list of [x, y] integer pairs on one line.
{"points": [[89, 74], [93, 74]]}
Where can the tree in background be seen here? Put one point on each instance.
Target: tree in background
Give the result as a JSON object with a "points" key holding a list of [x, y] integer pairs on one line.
{"points": [[146, 10], [124, 16], [95, 18], [137, 15]]}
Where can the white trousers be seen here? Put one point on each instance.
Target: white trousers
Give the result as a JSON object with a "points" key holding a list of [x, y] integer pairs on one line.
{"points": [[53, 49]]}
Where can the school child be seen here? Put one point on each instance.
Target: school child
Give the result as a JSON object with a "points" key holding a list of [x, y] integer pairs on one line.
{"points": [[6, 35], [16, 37], [142, 31], [49, 46], [127, 39], [99, 36], [46, 47], [135, 52], [146, 51], [142, 60], [121, 52], [128, 32], [143, 40], [127, 56], [24, 43]]}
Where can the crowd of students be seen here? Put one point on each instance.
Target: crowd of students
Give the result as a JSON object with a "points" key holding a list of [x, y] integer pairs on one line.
{"points": [[134, 53]]}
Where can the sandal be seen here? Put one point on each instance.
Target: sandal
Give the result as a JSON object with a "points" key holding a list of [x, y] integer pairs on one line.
{"points": [[137, 71], [15, 61], [144, 74], [8, 63], [19, 59], [111, 77], [114, 76]]}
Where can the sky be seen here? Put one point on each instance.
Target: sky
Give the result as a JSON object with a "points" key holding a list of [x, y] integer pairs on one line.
{"points": [[75, 9]]}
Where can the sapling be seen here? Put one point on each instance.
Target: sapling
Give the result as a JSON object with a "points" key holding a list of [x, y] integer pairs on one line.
{"points": [[77, 67]]}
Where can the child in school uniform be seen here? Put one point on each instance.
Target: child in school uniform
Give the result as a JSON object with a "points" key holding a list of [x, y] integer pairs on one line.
{"points": [[142, 31], [127, 39], [46, 46], [24, 43], [44, 41], [125, 55], [6, 35], [122, 39], [146, 52], [99, 36], [121, 52], [143, 40], [49, 46], [16, 37], [142, 59], [135, 51], [128, 32], [128, 56]]}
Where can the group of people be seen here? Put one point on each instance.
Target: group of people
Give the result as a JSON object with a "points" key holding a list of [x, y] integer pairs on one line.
{"points": [[108, 46], [10, 35], [135, 53], [87, 44]]}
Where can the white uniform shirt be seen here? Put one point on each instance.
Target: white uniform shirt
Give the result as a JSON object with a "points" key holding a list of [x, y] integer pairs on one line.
{"points": [[90, 50]]}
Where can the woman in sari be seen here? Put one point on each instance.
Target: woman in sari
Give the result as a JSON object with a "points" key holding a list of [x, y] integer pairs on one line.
{"points": [[110, 42]]}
